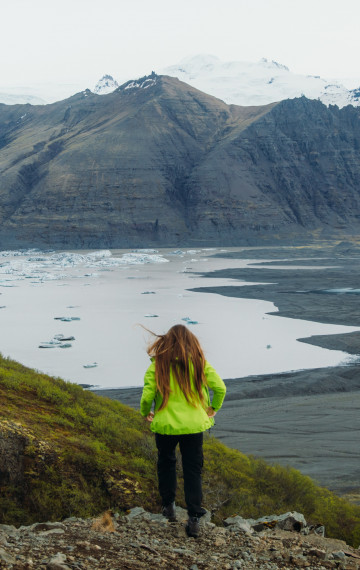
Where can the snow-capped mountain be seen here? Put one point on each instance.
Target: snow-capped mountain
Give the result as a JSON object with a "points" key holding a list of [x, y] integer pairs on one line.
{"points": [[105, 85], [258, 83], [20, 99]]}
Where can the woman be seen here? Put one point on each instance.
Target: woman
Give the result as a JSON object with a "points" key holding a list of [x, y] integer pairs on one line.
{"points": [[178, 379]]}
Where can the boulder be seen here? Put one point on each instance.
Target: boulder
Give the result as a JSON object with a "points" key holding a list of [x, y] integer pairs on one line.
{"points": [[239, 524], [292, 521]]}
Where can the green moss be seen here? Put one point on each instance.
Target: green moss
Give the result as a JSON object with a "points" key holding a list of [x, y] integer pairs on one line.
{"points": [[85, 453]]}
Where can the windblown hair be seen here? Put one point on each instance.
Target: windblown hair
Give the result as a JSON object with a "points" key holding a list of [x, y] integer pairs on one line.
{"points": [[179, 351]]}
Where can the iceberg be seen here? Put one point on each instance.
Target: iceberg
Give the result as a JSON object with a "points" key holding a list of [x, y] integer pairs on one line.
{"points": [[190, 321]]}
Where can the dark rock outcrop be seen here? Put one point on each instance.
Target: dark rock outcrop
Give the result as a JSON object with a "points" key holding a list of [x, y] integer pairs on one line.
{"points": [[159, 163]]}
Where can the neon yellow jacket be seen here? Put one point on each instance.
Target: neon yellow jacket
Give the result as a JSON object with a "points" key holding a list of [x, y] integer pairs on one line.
{"points": [[179, 416]]}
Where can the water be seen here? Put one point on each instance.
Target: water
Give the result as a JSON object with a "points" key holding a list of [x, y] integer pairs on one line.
{"points": [[110, 293]]}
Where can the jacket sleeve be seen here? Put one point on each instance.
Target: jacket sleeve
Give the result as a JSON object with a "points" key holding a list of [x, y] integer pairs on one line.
{"points": [[149, 390], [215, 384]]}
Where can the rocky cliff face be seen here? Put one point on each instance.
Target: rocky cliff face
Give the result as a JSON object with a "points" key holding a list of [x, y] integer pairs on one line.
{"points": [[159, 163]]}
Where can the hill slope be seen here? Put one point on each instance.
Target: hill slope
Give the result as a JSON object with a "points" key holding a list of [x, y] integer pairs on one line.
{"points": [[159, 163], [67, 452]]}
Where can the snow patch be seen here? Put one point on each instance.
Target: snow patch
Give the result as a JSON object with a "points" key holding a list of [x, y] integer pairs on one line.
{"points": [[140, 84]]}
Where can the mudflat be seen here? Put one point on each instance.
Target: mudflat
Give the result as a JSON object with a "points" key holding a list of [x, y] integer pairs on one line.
{"points": [[308, 419]]}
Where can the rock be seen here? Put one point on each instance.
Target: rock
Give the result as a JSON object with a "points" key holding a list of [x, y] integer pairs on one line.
{"points": [[183, 551], [237, 523], [136, 512], [318, 529], [57, 562], [38, 527], [8, 529], [339, 555], [319, 553], [5, 557], [52, 531], [288, 521], [3, 541]]}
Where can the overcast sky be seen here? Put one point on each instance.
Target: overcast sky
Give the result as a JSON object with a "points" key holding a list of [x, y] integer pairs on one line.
{"points": [[78, 41]]}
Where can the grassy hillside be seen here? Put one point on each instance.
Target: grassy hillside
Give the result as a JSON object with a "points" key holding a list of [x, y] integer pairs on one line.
{"points": [[68, 452]]}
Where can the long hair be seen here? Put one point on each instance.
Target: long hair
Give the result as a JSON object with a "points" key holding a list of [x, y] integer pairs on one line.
{"points": [[179, 351]]}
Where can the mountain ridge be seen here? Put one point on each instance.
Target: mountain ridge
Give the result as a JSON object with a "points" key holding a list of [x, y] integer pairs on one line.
{"points": [[158, 162]]}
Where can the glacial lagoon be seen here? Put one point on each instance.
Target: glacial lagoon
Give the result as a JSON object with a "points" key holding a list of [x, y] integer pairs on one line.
{"points": [[98, 299]]}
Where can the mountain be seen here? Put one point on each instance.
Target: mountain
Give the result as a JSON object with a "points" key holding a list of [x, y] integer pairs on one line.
{"points": [[257, 83], [105, 85], [16, 98], [158, 162]]}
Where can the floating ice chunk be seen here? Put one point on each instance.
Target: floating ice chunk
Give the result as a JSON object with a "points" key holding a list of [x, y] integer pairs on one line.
{"points": [[190, 321], [103, 253], [2, 306], [93, 365], [50, 344], [62, 337], [148, 316], [145, 250], [140, 258], [177, 252], [67, 259], [66, 319], [65, 345], [148, 293]]}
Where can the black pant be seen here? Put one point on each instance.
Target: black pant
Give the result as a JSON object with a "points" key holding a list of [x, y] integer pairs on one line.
{"points": [[191, 448]]}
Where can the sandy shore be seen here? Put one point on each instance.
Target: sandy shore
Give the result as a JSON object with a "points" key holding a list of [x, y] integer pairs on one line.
{"points": [[309, 419]]}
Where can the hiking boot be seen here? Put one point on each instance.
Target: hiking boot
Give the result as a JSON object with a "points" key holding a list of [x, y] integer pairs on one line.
{"points": [[192, 527], [168, 511]]}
